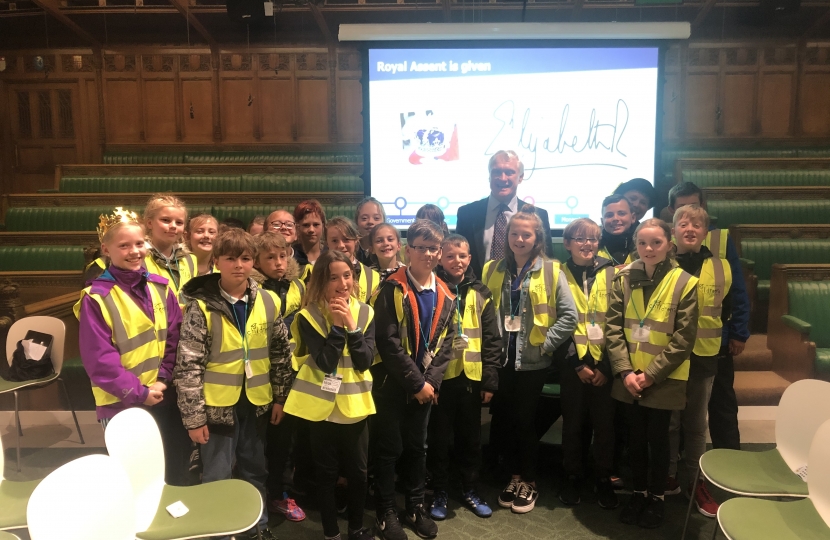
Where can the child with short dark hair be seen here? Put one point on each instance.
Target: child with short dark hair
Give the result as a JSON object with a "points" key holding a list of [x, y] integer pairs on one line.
{"points": [[470, 380], [233, 364], [414, 336]]}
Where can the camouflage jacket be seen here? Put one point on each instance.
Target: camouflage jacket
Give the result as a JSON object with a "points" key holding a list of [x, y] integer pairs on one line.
{"points": [[194, 349]]}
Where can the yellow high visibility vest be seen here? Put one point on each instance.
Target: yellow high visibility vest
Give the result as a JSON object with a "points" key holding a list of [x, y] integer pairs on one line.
{"points": [[99, 262], [605, 254], [674, 286], [591, 310], [187, 267], [139, 341], [716, 241], [307, 398], [305, 272], [542, 292], [468, 360], [290, 300], [368, 283], [714, 282], [225, 369]]}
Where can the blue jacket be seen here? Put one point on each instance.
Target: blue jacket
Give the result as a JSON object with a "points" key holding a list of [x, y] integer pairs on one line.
{"points": [[738, 326]]}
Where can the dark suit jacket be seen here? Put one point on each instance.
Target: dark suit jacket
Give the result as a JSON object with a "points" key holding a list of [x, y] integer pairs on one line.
{"points": [[470, 225]]}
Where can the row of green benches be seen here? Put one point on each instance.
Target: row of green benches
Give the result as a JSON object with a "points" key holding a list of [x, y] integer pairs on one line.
{"points": [[757, 178], [135, 158], [238, 183], [668, 157]]}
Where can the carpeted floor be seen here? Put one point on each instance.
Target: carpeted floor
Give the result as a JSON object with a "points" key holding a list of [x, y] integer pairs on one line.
{"points": [[549, 520]]}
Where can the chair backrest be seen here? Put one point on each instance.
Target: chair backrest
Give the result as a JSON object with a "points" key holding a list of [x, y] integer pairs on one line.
{"points": [[47, 325], [89, 497], [818, 472], [133, 439], [804, 406]]}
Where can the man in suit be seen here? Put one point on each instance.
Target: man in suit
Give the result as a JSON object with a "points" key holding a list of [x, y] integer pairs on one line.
{"points": [[483, 223]]}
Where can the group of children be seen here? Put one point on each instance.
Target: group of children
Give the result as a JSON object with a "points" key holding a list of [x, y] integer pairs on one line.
{"points": [[314, 335]]}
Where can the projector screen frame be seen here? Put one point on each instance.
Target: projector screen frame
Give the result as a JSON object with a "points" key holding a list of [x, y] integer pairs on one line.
{"points": [[661, 45]]}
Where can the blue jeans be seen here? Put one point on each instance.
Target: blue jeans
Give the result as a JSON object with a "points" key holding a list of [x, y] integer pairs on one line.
{"points": [[244, 443]]}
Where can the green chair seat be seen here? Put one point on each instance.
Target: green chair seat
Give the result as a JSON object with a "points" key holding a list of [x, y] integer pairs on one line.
{"points": [[230, 506], [14, 496], [766, 252], [8, 536], [11, 386], [752, 473], [823, 363], [551, 390], [758, 518]]}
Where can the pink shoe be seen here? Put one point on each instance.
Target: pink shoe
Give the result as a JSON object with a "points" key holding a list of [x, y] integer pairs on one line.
{"points": [[287, 507], [704, 501]]}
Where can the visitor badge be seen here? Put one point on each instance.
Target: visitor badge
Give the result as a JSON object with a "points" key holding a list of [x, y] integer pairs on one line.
{"points": [[331, 383], [512, 324], [460, 342], [249, 371], [640, 333], [595, 333], [429, 356]]}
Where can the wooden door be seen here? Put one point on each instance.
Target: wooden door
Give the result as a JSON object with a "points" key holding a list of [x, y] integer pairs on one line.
{"points": [[45, 132]]}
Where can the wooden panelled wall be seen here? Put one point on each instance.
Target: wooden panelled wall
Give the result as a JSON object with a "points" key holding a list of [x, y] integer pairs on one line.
{"points": [[83, 102]]}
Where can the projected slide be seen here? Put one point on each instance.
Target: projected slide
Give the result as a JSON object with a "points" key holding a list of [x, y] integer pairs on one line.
{"points": [[582, 121]]}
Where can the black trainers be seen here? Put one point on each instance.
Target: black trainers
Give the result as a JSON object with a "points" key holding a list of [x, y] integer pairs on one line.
{"points": [[420, 522], [389, 528], [362, 534], [509, 494], [633, 508], [525, 499], [569, 494], [652, 516], [606, 496]]}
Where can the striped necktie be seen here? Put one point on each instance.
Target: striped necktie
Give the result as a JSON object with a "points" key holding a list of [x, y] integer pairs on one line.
{"points": [[499, 234]]}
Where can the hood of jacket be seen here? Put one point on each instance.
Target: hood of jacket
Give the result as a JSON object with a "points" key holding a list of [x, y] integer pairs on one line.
{"points": [[206, 289]]}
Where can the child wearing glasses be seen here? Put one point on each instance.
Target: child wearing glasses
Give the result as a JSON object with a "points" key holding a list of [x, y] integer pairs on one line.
{"points": [[414, 338], [536, 314], [586, 375]]}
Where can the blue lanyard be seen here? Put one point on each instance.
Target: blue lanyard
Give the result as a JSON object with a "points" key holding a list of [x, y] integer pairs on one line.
{"points": [[522, 274], [243, 331], [426, 337], [458, 308]]}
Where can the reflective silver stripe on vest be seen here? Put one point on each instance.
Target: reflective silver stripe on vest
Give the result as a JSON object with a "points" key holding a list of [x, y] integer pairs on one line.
{"points": [[580, 339], [646, 347], [363, 317], [472, 356], [216, 355], [598, 317], [472, 333], [703, 333], [720, 290], [262, 379], [714, 235], [151, 364], [369, 282], [547, 268], [190, 267], [224, 379], [270, 311], [665, 327], [306, 387], [490, 271], [544, 309], [124, 343]]}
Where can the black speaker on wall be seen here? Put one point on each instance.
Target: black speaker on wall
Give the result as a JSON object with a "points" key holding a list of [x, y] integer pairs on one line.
{"points": [[780, 7], [246, 10]]}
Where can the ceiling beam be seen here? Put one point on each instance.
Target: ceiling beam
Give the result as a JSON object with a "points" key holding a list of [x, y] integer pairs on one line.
{"points": [[183, 8], [53, 8], [321, 22], [704, 11]]}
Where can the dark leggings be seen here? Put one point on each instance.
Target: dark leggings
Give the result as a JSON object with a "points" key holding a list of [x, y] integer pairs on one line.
{"points": [[519, 394], [336, 449], [649, 447]]}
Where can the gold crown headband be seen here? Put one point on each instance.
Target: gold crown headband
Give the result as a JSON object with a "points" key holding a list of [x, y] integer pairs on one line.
{"points": [[106, 222]]}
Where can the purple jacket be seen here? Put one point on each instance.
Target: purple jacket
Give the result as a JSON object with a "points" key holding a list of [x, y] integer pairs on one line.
{"points": [[99, 354]]}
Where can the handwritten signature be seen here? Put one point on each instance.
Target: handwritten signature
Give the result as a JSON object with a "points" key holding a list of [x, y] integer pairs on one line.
{"points": [[599, 139]]}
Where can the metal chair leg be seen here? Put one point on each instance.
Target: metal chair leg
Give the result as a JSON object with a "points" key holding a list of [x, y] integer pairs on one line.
{"points": [[71, 408], [717, 528], [691, 502], [19, 430], [258, 532]]}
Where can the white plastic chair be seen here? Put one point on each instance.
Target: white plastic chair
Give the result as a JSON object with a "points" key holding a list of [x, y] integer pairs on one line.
{"points": [[803, 408], [14, 496], [220, 508], [86, 499], [745, 518], [47, 325]]}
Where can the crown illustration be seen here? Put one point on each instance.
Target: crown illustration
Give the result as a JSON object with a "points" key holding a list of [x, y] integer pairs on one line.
{"points": [[119, 215]]}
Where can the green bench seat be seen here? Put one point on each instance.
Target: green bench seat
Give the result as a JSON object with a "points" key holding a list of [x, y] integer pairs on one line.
{"points": [[247, 212], [736, 212], [713, 178], [273, 157], [670, 156], [814, 152], [78, 218], [149, 184], [809, 301], [766, 252], [41, 258], [141, 158], [301, 182]]}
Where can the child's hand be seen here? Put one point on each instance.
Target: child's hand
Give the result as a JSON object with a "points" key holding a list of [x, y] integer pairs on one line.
{"points": [[153, 397], [277, 413], [644, 380], [199, 435], [340, 308], [486, 396], [632, 385], [599, 379], [158, 385], [336, 311], [586, 375], [426, 394]]}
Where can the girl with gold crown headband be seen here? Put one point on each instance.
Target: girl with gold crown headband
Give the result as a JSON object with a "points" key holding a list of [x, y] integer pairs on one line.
{"points": [[128, 333]]}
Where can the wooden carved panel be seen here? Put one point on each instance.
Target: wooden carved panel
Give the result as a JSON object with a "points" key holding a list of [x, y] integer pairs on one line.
{"points": [[818, 56], [276, 106], [312, 95], [197, 105], [312, 62], [236, 62], [349, 109], [701, 104], [30, 63], [160, 111], [123, 111], [815, 106], [348, 61], [703, 57], [274, 62], [11, 64], [157, 63], [741, 56], [119, 63], [738, 102], [779, 56], [77, 63], [194, 62], [237, 110], [774, 103]]}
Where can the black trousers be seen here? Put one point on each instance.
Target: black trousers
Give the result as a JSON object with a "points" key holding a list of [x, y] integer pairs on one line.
{"points": [[279, 442], [336, 449], [400, 430], [516, 405], [648, 444], [723, 405], [586, 404], [455, 422], [176, 441]]}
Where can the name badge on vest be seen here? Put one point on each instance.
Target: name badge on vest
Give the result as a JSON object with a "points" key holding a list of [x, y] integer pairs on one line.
{"points": [[331, 383], [429, 356], [640, 333], [460, 342], [595, 333], [512, 324], [249, 371]]}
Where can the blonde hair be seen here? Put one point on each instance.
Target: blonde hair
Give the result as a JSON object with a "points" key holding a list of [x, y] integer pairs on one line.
{"points": [[654, 223], [270, 241], [366, 201], [195, 222], [693, 212], [162, 200], [527, 213], [343, 224], [117, 227], [316, 290], [581, 226]]}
